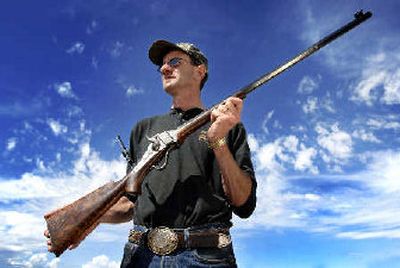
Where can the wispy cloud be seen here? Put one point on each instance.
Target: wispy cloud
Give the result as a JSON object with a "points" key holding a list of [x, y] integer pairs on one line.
{"points": [[308, 84], [365, 135], [386, 122], [95, 62], [92, 27], [310, 106], [132, 90], [337, 143], [56, 127], [21, 108], [356, 206], [380, 80], [101, 261], [36, 260], [304, 159], [76, 48], [30, 196], [374, 67], [116, 49], [282, 153], [266, 120], [65, 89], [11, 143]]}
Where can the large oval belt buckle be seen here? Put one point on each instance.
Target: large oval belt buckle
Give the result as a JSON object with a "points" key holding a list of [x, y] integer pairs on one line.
{"points": [[162, 240]]}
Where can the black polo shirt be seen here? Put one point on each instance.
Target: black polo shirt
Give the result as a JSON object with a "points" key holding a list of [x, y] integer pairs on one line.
{"points": [[188, 191]]}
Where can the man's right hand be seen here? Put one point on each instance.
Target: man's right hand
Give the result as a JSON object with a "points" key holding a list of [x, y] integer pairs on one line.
{"points": [[49, 245], [47, 235]]}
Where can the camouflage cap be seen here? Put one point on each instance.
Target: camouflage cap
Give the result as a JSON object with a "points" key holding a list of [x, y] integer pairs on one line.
{"points": [[160, 48]]}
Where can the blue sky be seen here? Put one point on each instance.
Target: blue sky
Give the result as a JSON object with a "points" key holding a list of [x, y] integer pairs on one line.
{"points": [[324, 135]]}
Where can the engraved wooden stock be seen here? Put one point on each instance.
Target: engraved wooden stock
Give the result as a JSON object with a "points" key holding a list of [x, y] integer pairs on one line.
{"points": [[71, 224]]}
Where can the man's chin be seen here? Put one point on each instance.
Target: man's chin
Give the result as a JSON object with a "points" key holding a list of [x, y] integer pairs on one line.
{"points": [[169, 88]]}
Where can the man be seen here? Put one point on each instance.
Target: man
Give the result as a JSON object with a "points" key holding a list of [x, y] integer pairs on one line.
{"points": [[183, 215]]}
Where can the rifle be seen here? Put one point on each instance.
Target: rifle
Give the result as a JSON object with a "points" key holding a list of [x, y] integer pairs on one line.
{"points": [[72, 223]]}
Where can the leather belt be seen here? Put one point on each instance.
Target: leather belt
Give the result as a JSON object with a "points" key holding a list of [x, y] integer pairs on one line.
{"points": [[164, 240]]}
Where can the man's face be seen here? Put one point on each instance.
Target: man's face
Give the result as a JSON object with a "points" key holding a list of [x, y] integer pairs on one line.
{"points": [[179, 76]]}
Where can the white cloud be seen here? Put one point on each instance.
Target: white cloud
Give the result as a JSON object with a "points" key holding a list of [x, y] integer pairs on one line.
{"points": [[39, 192], [364, 135], [24, 108], [92, 27], [368, 235], [307, 85], [311, 105], [14, 234], [377, 76], [253, 142], [28, 187], [11, 143], [65, 90], [363, 90], [391, 94], [304, 159], [388, 122], [274, 200], [266, 157], [283, 153], [336, 142], [116, 49], [95, 62], [74, 111], [57, 127], [380, 80], [35, 260], [327, 103], [132, 90], [53, 263], [267, 118], [77, 47], [367, 201], [386, 167], [101, 261]]}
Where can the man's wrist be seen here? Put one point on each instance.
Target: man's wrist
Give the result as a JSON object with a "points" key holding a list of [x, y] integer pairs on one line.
{"points": [[217, 144]]}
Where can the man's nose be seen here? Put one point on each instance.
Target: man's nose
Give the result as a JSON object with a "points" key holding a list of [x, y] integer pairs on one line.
{"points": [[165, 69]]}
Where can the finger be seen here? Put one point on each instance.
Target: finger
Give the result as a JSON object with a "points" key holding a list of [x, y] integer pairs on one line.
{"points": [[230, 107], [73, 246], [221, 109], [237, 102], [46, 233], [214, 114]]}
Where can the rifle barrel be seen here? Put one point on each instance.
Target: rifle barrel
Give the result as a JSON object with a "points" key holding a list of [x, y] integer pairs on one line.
{"points": [[359, 18]]}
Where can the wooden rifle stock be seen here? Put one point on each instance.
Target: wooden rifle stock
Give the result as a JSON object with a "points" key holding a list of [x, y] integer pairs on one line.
{"points": [[71, 224]]}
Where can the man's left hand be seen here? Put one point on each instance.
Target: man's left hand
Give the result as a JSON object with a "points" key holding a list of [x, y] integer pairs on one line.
{"points": [[224, 117]]}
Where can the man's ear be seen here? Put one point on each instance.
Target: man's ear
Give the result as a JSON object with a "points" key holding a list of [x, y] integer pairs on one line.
{"points": [[201, 70]]}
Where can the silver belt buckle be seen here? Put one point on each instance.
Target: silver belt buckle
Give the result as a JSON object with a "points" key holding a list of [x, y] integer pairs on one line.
{"points": [[162, 240], [135, 236], [223, 240]]}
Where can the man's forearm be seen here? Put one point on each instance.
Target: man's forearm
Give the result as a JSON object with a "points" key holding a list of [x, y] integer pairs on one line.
{"points": [[121, 212], [237, 183]]}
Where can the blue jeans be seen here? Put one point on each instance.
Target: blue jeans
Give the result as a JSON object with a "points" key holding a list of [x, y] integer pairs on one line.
{"points": [[139, 255]]}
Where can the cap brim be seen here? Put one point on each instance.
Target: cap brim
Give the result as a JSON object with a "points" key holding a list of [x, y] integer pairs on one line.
{"points": [[159, 49]]}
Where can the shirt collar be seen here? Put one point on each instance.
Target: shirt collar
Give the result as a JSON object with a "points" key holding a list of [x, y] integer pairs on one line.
{"points": [[186, 114]]}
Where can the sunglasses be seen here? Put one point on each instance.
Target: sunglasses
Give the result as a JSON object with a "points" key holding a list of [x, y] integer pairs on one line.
{"points": [[173, 63]]}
